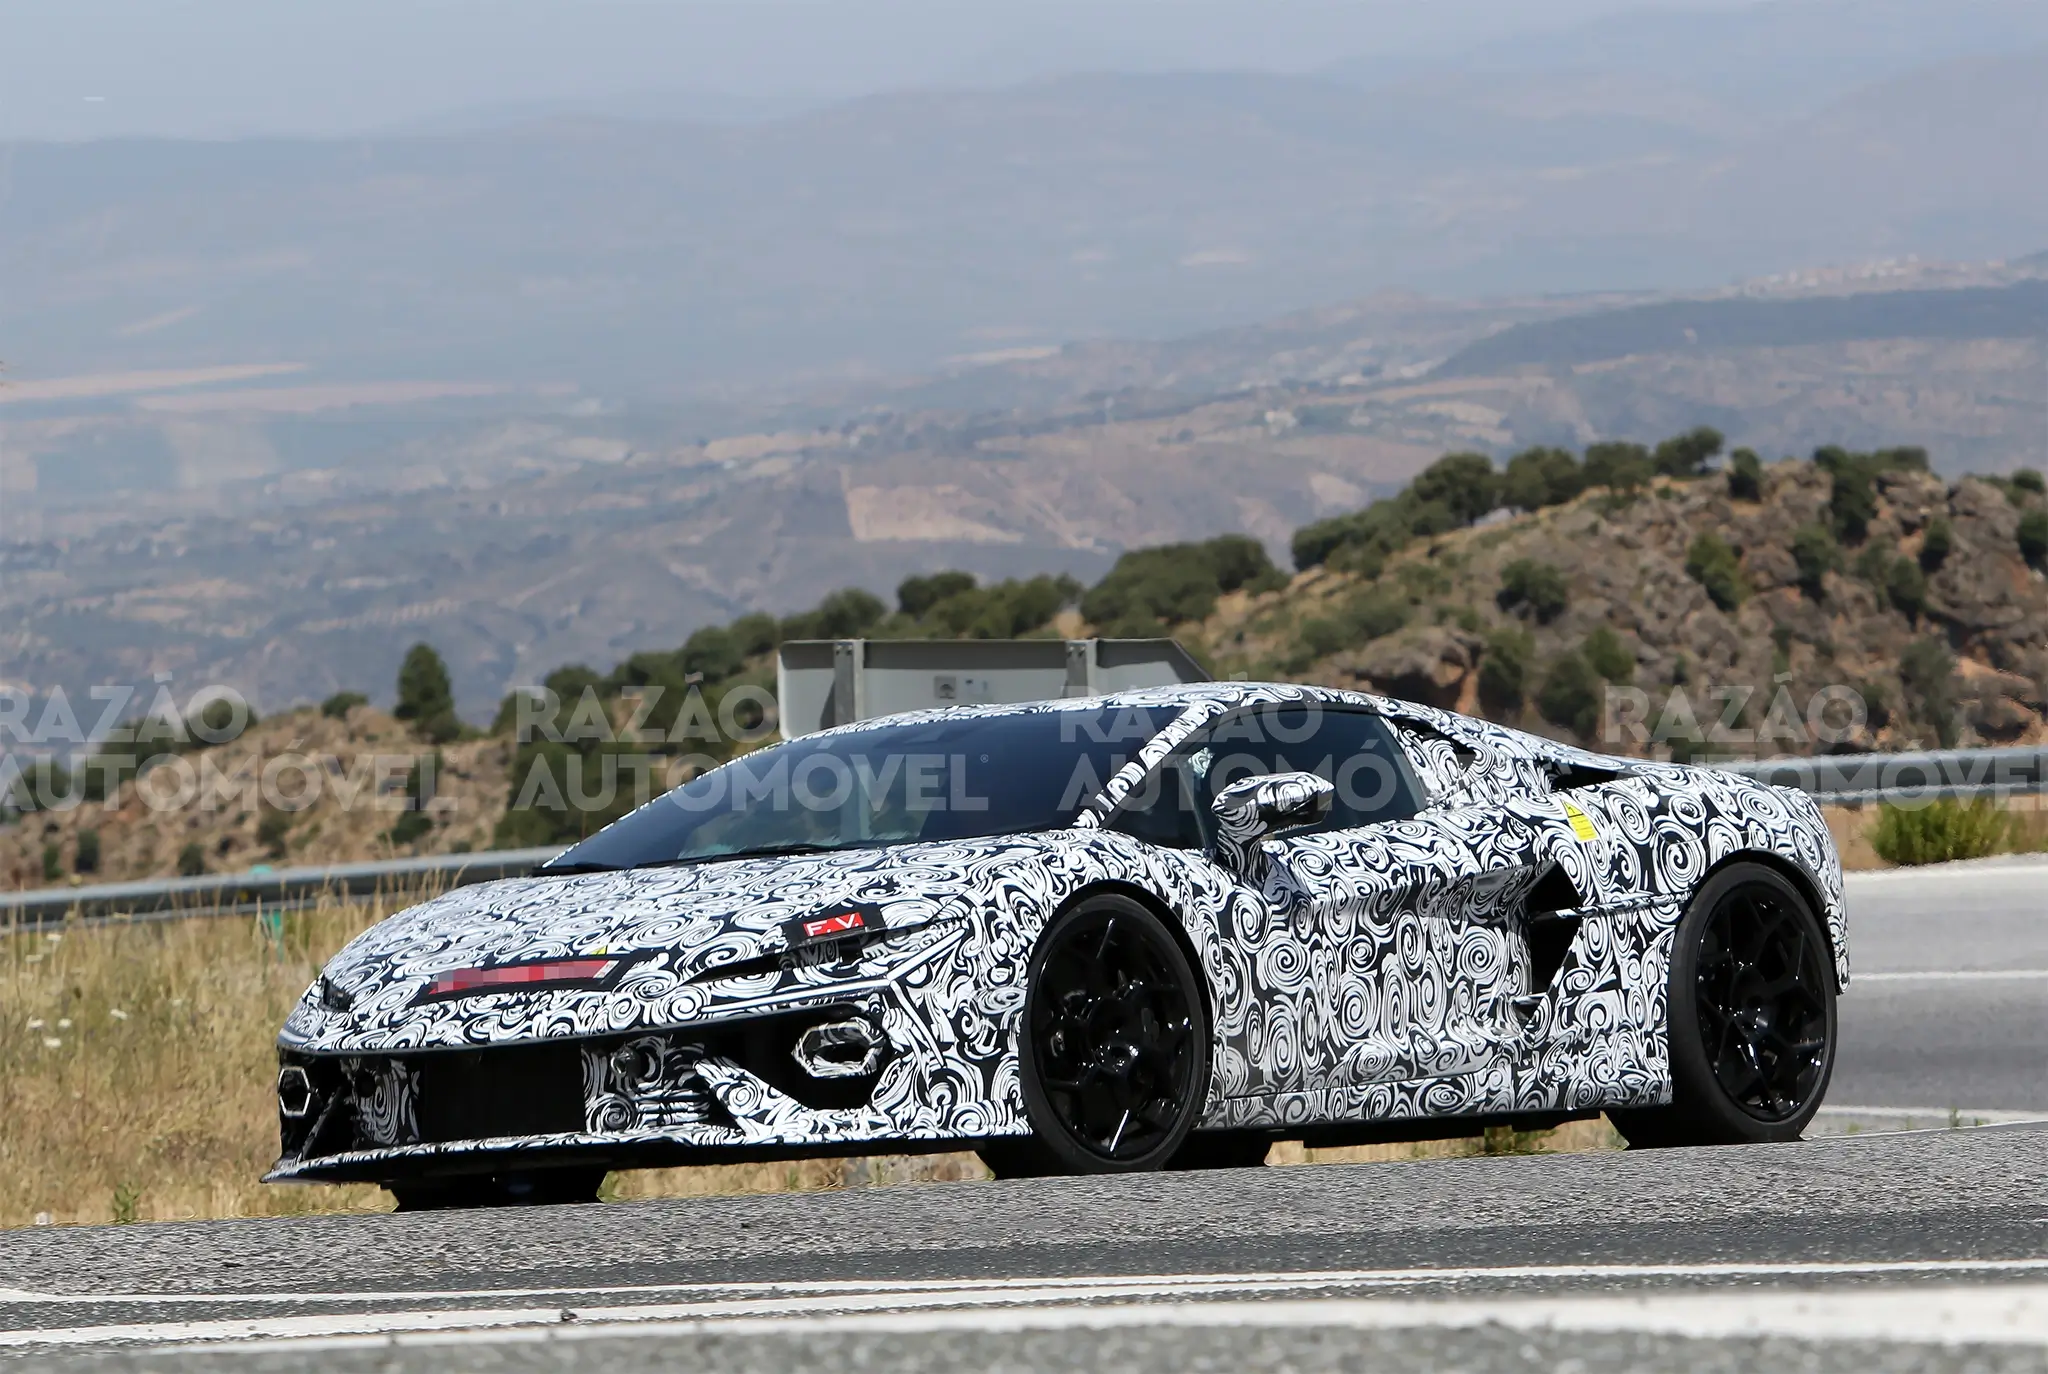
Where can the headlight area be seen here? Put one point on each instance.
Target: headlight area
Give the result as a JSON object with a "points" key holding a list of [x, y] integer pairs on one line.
{"points": [[826, 1058]]}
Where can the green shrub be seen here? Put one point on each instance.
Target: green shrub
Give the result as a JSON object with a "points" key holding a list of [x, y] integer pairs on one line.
{"points": [[191, 860], [1172, 583], [1623, 469], [340, 704], [1817, 554], [1687, 455], [1319, 637], [1851, 505], [1608, 656], [1852, 501], [1372, 615], [1363, 540], [87, 857], [416, 822], [754, 634], [916, 595], [1940, 831], [1713, 564], [1464, 483], [845, 614], [2033, 537], [273, 830], [1540, 477], [1364, 617], [409, 827], [711, 651], [2028, 479], [1003, 611], [1936, 543], [1905, 586], [1504, 670], [425, 697], [1927, 671], [1745, 475], [1571, 694], [1539, 586]]}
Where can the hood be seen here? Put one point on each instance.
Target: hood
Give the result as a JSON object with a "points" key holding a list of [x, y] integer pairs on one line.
{"points": [[659, 929]]}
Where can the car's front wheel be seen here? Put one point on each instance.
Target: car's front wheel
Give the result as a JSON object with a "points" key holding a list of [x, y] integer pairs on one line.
{"points": [[1114, 1054], [1751, 1016]]}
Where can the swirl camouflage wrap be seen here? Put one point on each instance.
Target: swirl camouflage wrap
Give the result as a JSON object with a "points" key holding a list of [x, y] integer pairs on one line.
{"points": [[1422, 965]]}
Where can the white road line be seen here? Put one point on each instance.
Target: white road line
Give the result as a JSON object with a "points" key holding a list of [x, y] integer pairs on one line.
{"points": [[819, 1301], [2015, 1314], [2018, 868], [1963, 1114], [1268, 1278], [1954, 975]]}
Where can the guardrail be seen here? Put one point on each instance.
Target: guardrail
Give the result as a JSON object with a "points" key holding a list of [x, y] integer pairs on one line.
{"points": [[1919, 777], [1959, 773], [279, 889]]}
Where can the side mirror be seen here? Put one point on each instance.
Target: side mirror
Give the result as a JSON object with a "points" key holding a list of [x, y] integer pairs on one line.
{"points": [[1249, 811]]}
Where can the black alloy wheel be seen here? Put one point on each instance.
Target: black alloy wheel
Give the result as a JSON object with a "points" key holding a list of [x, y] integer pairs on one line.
{"points": [[1752, 1015], [1115, 1045]]}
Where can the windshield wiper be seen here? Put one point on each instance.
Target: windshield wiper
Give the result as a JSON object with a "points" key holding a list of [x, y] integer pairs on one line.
{"points": [[563, 870], [762, 851]]}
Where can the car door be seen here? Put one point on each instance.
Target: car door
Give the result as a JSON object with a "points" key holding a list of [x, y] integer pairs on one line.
{"points": [[1267, 1009], [1430, 923], [1354, 941], [1411, 914]]}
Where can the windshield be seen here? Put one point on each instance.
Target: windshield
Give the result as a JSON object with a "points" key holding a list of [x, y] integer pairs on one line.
{"points": [[947, 779]]}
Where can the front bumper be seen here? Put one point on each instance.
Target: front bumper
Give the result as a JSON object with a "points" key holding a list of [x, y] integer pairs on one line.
{"points": [[805, 1082]]}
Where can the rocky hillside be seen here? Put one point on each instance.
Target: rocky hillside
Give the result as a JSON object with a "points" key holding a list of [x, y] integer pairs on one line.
{"points": [[1650, 601], [249, 802], [1867, 572]]}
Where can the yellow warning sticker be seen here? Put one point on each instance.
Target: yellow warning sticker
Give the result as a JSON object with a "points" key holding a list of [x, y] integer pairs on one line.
{"points": [[1582, 824]]}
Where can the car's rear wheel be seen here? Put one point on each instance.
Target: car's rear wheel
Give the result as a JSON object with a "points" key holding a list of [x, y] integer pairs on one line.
{"points": [[1751, 1015], [542, 1187], [1115, 1046]]}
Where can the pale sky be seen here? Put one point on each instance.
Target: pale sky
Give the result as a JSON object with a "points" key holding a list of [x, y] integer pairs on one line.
{"points": [[83, 68]]}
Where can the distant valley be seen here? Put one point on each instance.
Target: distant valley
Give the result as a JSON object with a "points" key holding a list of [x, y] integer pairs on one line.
{"points": [[551, 532], [562, 384]]}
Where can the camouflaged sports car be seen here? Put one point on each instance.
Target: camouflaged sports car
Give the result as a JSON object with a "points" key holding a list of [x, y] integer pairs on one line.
{"points": [[1153, 930]]}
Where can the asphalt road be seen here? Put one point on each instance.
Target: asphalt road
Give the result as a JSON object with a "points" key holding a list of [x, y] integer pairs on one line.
{"points": [[1948, 999], [1924, 1250], [1841, 1248]]}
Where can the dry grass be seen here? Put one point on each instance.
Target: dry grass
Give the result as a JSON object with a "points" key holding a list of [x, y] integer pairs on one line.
{"points": [[1852, 826], [136, 1068]]}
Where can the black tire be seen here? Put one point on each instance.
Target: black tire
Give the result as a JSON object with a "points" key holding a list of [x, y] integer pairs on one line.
{"points": [[1114, 1047], [543, 1187], [1752, 1017]]}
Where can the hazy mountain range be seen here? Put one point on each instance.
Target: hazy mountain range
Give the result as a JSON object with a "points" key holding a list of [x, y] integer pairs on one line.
{"points": [[895, 231], [571, 373]]}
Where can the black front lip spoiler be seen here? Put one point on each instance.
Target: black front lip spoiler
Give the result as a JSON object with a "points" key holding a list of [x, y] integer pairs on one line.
{"points": [[492, 1157]]}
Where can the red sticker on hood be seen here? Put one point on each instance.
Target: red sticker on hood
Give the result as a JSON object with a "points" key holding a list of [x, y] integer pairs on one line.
{"points": [[834, 925]]}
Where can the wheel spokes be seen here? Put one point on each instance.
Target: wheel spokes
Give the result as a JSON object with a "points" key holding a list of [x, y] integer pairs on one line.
{"points": [[1114, 1039], [1758, 1003]]}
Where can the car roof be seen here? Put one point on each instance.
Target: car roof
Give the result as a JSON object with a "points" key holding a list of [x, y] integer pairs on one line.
{"points": [[1177, 697]]}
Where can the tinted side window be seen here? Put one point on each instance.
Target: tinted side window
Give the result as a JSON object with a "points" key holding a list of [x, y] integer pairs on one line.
{"points": [[1162, 810], [1352, 749]]}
